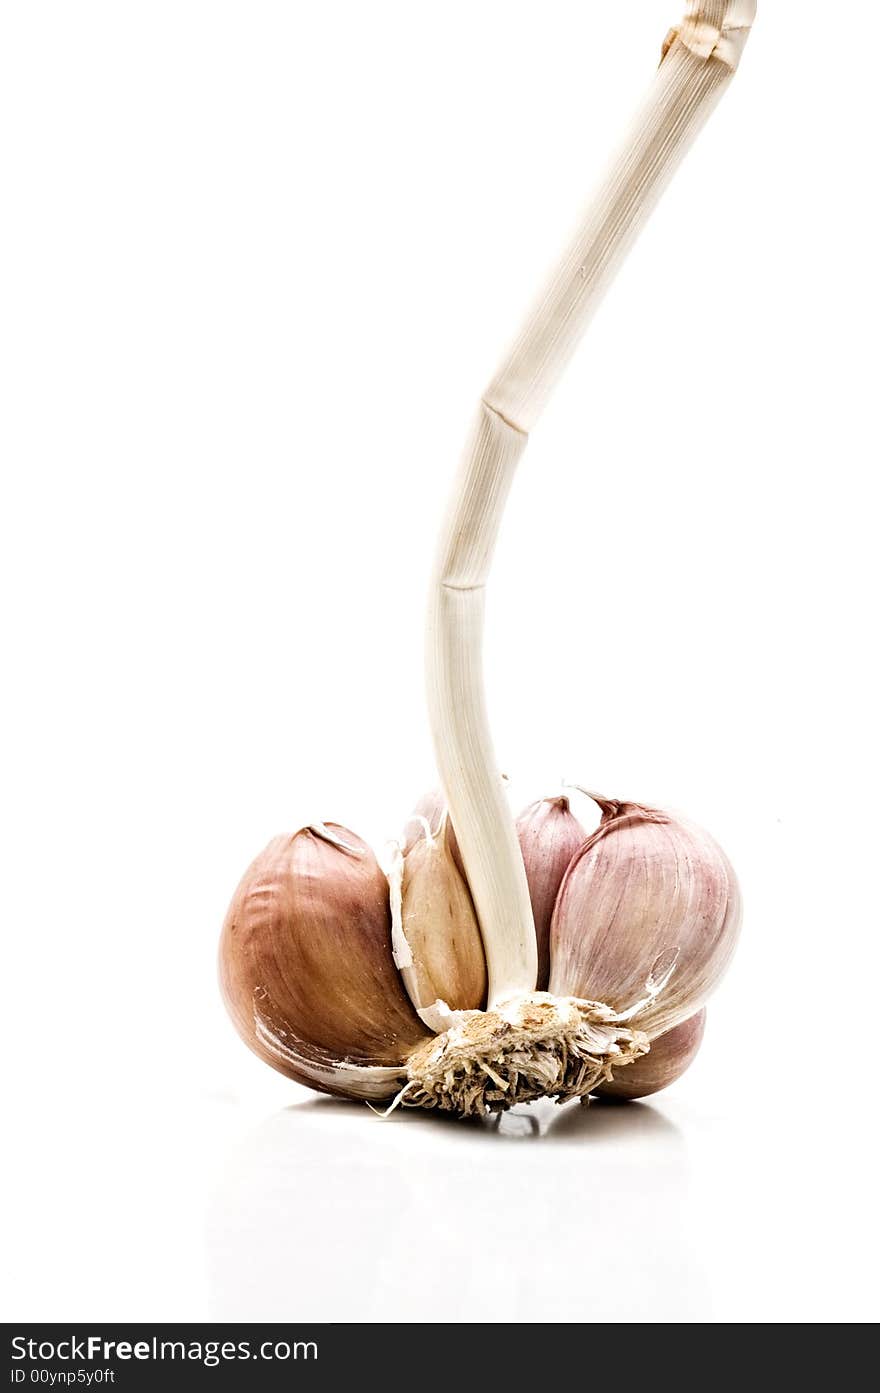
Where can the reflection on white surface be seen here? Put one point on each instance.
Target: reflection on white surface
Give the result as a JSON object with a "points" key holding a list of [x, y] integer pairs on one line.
{"points": [[544, 1213]]}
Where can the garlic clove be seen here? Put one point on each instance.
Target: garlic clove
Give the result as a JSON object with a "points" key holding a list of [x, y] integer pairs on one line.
{"points": [[670, 1055], [306, 969], [647, 889], [431, 814], [549, 837], [436, 937]]}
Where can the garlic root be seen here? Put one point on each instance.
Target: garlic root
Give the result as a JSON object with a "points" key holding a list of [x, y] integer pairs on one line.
{"points": [[535, 1046]]}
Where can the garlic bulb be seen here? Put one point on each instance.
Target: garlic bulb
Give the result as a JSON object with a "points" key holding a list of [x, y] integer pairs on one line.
{"points": [[646, 888], [643, 921], [306, 968], [549, 837], [435, 934], [670, 1055], [630, 929]]}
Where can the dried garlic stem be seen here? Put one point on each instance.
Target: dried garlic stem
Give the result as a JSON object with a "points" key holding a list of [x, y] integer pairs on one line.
{"points": [[697, 66]]}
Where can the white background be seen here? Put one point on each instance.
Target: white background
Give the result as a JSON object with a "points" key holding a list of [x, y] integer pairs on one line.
{"points": [[258, 261]]}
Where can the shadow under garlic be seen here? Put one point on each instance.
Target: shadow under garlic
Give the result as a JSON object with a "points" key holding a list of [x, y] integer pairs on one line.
{"points": [[325, 1212]]}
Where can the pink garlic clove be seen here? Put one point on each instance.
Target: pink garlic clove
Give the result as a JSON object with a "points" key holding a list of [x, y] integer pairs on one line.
{"points": [[647, 889], [549, 837]]}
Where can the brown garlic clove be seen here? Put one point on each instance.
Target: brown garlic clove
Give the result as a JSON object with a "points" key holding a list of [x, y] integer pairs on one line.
{"points": [[431, 814], [670, 1055], [648, 893], [306, 968], [436, 937], [549, 837]]}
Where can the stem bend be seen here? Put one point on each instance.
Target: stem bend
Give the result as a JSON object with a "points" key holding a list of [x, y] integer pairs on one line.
{"points": [[698, 63]]}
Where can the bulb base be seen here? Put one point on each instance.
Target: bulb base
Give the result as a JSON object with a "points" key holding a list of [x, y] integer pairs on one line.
{"points": [[532, 1046]]}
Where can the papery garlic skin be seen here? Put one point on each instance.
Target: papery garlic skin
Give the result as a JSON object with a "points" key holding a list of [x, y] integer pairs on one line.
{"points": [[435, 935], [670, 1055], [549, 838], [647, 886], [306, 968]]}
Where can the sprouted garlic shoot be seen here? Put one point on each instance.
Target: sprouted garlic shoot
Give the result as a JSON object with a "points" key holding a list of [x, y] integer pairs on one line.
{"points": [[507, 960]]}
